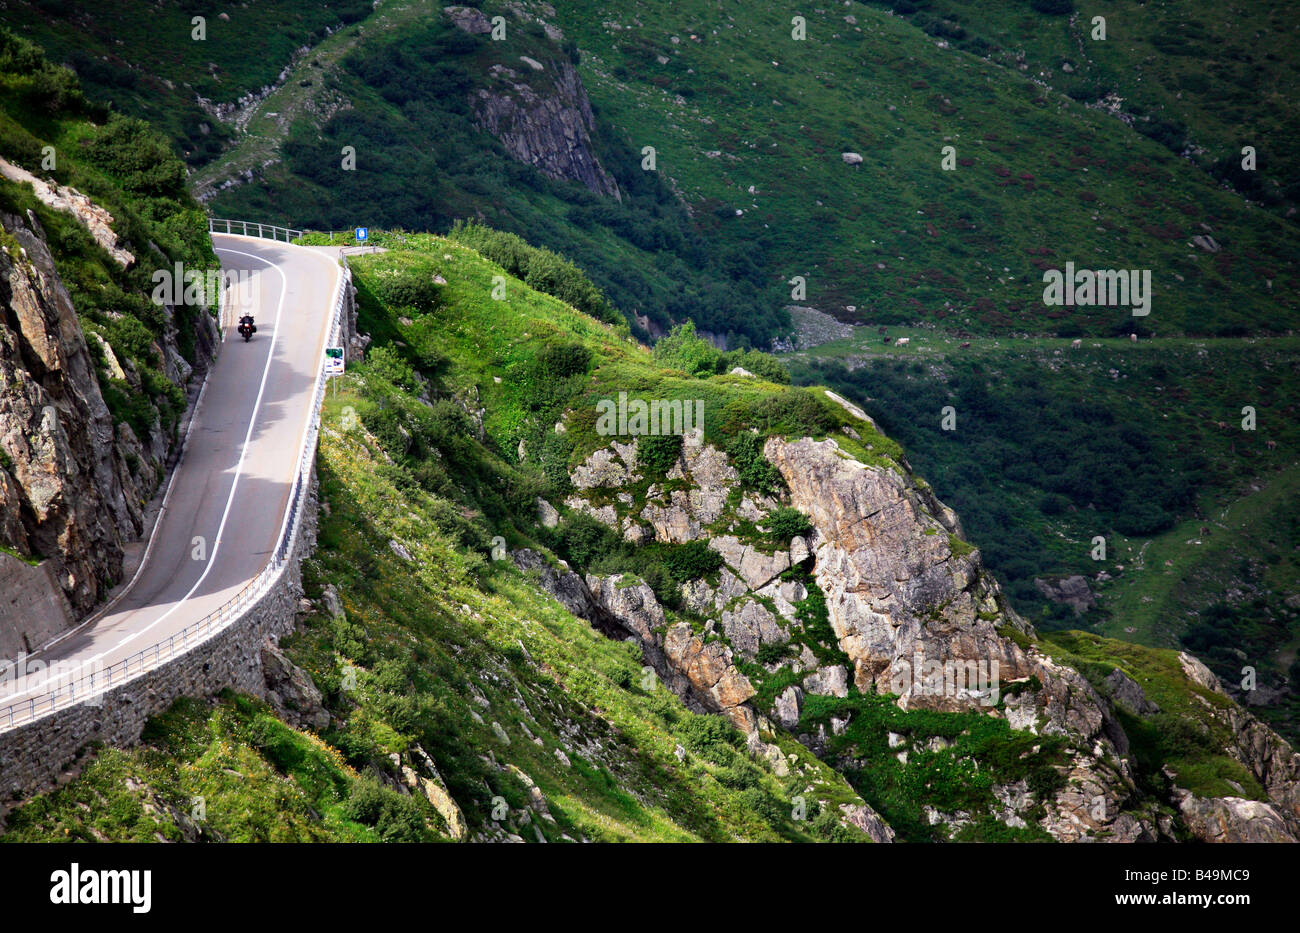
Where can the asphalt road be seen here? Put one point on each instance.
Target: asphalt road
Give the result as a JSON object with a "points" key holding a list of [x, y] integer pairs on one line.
{"points": [[228, 495]]}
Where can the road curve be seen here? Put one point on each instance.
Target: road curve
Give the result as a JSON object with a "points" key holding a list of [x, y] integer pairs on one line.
{"points": [[226, 501]]}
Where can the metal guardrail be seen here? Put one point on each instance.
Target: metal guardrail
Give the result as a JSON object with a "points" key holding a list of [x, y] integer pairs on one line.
{"points": [[252, 228], [88, 686]]}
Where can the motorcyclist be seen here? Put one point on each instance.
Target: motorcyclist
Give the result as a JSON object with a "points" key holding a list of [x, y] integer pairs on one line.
{"points": [[246, 327]]}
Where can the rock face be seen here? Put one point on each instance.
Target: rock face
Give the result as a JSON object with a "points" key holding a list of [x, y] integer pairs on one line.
{"points": [[72, 484], [292, 691], [1126, 693], [541, 114], [898, 593], [911, 613], [703, 675], [1073, 591], [1232, 819], [1269, 757], [71, 201]]}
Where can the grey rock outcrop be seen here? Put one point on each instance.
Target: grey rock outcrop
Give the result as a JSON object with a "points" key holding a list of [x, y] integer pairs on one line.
{"points": [[73, 485], [1072, 591], [1233, 819], [750, 626], [542, 117], [1126, 693], [292, 691], [94, 218]]}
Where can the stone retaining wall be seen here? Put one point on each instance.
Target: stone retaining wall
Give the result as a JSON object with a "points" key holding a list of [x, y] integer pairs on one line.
{"points": [[33, 755]]}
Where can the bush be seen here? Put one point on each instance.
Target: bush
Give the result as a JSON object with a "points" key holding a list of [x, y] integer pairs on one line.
{"points": [[691, 560], [756, 471], [137, 157], [683, 349], [561, 361], [657, 453], [764, 365], [795, 411], [409, 289], [395, 817], [583, 539], [785, 523], [386, 363], [541, 269], [710, 737], [770, 652], [556, 449]]}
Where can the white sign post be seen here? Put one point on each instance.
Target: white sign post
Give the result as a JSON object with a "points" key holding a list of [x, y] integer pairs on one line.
{"points": [[334, 363]]}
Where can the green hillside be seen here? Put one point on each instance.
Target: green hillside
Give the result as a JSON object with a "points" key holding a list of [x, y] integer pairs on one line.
{"points": [[1199, 79], [1040, 179], [423, 644], [124, 166], [1043, 175]]}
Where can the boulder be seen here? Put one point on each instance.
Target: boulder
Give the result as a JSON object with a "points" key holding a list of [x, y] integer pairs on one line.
{"points": [[750, 626], [1072, 591], [1126, 693], [788, 707], [292, 691], [1233, 819]]}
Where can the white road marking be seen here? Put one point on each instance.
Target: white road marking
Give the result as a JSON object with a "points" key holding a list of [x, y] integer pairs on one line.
{"points": [[239, 467]]}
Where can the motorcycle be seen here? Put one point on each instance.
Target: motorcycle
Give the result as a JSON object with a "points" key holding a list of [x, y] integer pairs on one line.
{"points": [[247, 328]]}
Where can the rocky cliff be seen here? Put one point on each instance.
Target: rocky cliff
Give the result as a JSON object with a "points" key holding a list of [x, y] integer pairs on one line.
{"points": [[538, 109], [912, 615], [73, 483]]}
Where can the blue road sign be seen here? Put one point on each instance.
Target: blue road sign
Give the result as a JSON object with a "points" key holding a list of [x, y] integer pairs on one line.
{"points": [[362, 233]]}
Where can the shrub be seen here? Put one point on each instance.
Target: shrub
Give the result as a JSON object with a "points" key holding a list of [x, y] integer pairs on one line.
{"points": [[449, 520], [691, 560], [785, 523], [386, 363], [560, 361], [710, 737], [409, 289], [556, 449], [583, 539], [658, 453], [764, 365], [130, 151], [395, 817], [683, 349], [756, 471], [541, 269], [796, 411], [814, 617]]}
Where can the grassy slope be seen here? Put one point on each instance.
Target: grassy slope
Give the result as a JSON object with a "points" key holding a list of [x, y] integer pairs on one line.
{"points": [[445, 650], [307, 94], [145, 60], [1201, 80], [1042, 179]]}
